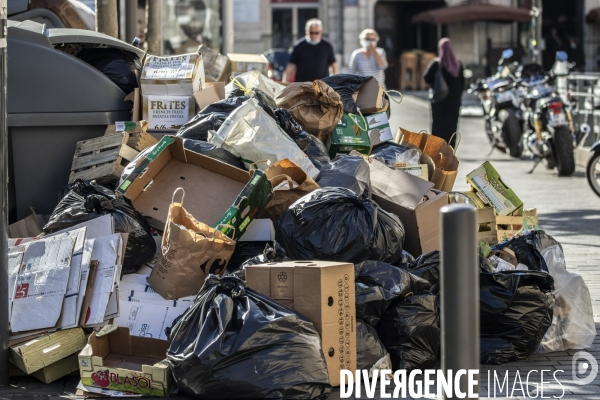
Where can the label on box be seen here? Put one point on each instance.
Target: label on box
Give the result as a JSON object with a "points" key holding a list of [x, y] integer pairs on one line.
{"points": [[177, 67], [167, 112]]}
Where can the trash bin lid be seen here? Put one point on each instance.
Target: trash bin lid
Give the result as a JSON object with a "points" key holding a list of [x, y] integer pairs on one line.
{"points": [[68, 35]]}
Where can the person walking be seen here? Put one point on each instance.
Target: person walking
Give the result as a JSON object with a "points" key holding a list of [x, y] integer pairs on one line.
{"points": [[312, 56], [369, 60], [445, 113]]}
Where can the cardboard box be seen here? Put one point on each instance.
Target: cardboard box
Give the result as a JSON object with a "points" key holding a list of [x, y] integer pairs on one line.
{"points": [[490, 188], [168, 113], [403, 194], [248, 205], [58, 369], [115, 360], [46, 350], [213, 92], [241, 63], [420, 170], [370, 98], [379, 128], [180, 75], [168, 166], [324, 293], [217, 67], [28, 227], [348, 136]]}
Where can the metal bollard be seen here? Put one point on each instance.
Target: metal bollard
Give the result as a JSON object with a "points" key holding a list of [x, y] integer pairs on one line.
{"points": [[459, 291]]}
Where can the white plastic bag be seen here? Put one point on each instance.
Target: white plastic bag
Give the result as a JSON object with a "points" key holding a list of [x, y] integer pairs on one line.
{"points": [[254, 79], [573, 322], [251, 134]]}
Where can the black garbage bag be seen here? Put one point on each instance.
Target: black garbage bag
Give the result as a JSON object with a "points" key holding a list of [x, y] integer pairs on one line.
{"points": [[266, 102], [226, 106], [405, 260], [515, 311], [212, 151], [345, 85], [309, 144], [87, 200], [541, 240], [386, 152], [410, 331], [379, 284], [335, 224], [245, 251], [209, 118], [369, 349], [426, 266], [119, 66], [271, 253], [526, 253], [347, 171], [235, 343]]}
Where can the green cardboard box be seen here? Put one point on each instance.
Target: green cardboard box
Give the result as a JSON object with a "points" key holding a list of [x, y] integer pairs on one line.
{"points": [[249, 204], [490, 188], [349, 135]]}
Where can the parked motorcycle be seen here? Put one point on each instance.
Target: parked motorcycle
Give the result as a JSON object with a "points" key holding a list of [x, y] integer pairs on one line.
{"points": [[593, 169], [500, 102], [548, 121]]}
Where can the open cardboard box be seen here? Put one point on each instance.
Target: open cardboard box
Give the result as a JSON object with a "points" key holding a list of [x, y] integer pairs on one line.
{"points": [[323, 292], [211, 186], [401, 193], [213, 92], [113, 359]]}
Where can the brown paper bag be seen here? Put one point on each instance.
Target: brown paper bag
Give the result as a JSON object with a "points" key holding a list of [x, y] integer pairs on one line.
{"points": [[443, 156], [283, 174], [314, 105], [190, 250]]}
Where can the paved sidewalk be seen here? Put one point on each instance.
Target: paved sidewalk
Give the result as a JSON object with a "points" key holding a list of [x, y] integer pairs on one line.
{"points": [[567, 209]]}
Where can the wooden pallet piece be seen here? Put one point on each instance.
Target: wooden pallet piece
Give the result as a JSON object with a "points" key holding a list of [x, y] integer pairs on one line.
{"points": [[139, 139], [495, 228], [46, 350], [102, 158]]}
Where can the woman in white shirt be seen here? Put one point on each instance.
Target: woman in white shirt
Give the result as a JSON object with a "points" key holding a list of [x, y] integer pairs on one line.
{"points": [[369, 60]]}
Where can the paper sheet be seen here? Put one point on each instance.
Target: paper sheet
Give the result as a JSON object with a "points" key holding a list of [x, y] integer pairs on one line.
{"points": [[15, 257], [41, 284], [105, 251], [148, 319]]}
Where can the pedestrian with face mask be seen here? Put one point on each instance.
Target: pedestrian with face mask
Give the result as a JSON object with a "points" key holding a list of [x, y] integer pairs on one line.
{"points": [[312, 56], [369, 60]]}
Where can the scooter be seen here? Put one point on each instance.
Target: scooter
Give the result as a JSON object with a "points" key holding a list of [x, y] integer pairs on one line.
{"points": [[593, 169], [500, 104]]}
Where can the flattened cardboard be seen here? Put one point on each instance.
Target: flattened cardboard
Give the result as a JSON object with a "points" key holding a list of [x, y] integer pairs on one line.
{"points": [[324, 293], [213, 92], [122, 362], [169, 166], [370, 97]]}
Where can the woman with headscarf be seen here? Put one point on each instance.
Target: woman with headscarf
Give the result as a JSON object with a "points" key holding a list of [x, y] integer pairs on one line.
{"points": [[445, 112]]}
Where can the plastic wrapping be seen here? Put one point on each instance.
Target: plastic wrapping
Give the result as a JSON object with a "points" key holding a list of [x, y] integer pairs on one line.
{"points": [[515, 311], [370, 352], [119, 66], [335, 224], [213, 151], [379, 284], [346, 85], [387, 152], [410, 331], [350, 172], [526, 253], [573, 323], [235, 343], [88, 200]]}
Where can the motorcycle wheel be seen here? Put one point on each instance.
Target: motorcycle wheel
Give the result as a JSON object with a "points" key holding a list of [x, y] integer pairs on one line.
{"points": [[563, 151], [512, 132], [593, 173]]}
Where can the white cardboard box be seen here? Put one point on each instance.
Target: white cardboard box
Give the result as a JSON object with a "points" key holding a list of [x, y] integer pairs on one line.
{"points": [[180, 75], [168, 113]]}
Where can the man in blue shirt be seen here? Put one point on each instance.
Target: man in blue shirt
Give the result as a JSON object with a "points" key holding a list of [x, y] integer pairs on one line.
{"points": [[312, 56]]}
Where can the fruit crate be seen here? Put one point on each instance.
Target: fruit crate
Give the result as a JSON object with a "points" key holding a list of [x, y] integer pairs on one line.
{"points": [[495, 228]]}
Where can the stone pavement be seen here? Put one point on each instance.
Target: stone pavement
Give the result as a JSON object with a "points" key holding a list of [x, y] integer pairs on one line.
{"points": [[567, 209]]}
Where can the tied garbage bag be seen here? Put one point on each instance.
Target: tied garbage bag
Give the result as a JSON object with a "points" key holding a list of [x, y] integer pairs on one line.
{"points": [[346, 85], [379, 284], [87, 200], [526, 253], [370, 352], [235, 343], [119, 66], [250, 81], [334, 224], [274, 253], [316, 106], [251, 134], [426, 266], [573, 323], [515, 312], [410, 331], [190, 251], [350, 172]]}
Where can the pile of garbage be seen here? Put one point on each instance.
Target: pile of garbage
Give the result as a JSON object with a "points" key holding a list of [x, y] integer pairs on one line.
{"points": [[255, 248]]}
